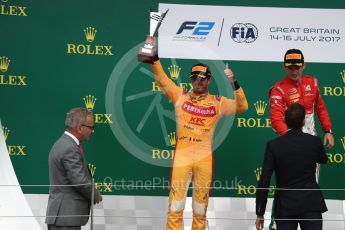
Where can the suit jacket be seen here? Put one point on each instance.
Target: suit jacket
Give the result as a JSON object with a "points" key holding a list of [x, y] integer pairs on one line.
{"points": [[293, 158], [67, 166]]}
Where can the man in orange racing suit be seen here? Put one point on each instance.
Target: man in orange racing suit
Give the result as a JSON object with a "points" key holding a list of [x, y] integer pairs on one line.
{"points": [[197, 113], [302, 89]]}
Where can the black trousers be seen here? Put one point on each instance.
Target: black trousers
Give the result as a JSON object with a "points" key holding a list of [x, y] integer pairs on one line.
{"points": [[53, 227], [310, 224]]}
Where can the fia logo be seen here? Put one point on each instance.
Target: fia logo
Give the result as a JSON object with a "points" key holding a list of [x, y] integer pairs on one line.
{"points": [[244, 32]]}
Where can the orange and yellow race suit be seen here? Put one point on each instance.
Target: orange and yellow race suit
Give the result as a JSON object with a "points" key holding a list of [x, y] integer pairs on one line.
{"points": [[193, 159]]}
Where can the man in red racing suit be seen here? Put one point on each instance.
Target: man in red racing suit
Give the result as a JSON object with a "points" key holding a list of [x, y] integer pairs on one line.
{"points": [[301, 89], [304, 90]]}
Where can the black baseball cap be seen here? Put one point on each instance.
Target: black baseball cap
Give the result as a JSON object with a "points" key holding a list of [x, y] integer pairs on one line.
{"points": [[293, 57], [201, 70]]}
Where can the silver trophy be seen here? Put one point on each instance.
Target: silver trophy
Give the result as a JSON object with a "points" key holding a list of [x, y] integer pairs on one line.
{"points": [[147, 52]]}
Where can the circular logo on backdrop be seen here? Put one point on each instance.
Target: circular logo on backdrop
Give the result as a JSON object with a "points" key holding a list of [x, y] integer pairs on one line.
{"points": [[144, 120], [243, 32]]}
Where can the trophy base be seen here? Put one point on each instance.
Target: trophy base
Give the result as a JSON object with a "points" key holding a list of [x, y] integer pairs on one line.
{"points": [[145, 59], [146, 54]]}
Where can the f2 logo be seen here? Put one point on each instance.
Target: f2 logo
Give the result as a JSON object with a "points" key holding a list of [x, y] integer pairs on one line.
{"points": [[201, 28]]}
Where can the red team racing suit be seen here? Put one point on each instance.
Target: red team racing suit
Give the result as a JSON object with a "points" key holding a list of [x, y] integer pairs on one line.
{"points": [[306, 93]]}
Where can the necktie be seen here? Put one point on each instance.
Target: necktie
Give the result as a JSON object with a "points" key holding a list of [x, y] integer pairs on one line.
{"points": [[80, 148]]}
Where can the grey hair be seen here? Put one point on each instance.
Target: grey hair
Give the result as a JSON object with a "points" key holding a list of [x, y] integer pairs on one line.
{"points": [[76, 116]]}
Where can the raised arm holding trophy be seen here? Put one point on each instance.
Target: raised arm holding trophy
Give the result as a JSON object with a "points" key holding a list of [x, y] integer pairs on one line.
{"points": [[147, 52], [197, 113]]}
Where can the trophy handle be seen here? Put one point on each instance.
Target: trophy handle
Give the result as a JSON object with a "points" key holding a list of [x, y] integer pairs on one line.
{"points": [[158, 18], [148, 52], [163, 15]]}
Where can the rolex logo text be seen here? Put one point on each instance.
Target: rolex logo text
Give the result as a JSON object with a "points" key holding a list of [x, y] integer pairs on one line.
{"points": [[338, 91], [99, 118], [172, 139], [88, 48], [251, 189], [174, 73], [166, 154], [255, 122], [260, 107], [6, 132], [338, 157], [7, 8], [13, 150], [92, 169], [8, 79]]}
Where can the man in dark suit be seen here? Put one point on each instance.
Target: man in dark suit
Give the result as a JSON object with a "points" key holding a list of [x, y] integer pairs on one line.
{"points": [[67, 166], [293, 157]]}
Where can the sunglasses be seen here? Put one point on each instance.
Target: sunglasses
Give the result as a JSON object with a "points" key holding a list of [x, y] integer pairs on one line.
{"points": [[194, 77], [89, 126]]}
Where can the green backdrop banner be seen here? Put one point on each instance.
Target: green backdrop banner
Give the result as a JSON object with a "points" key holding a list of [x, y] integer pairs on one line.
{"points": [[59, 55]]}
